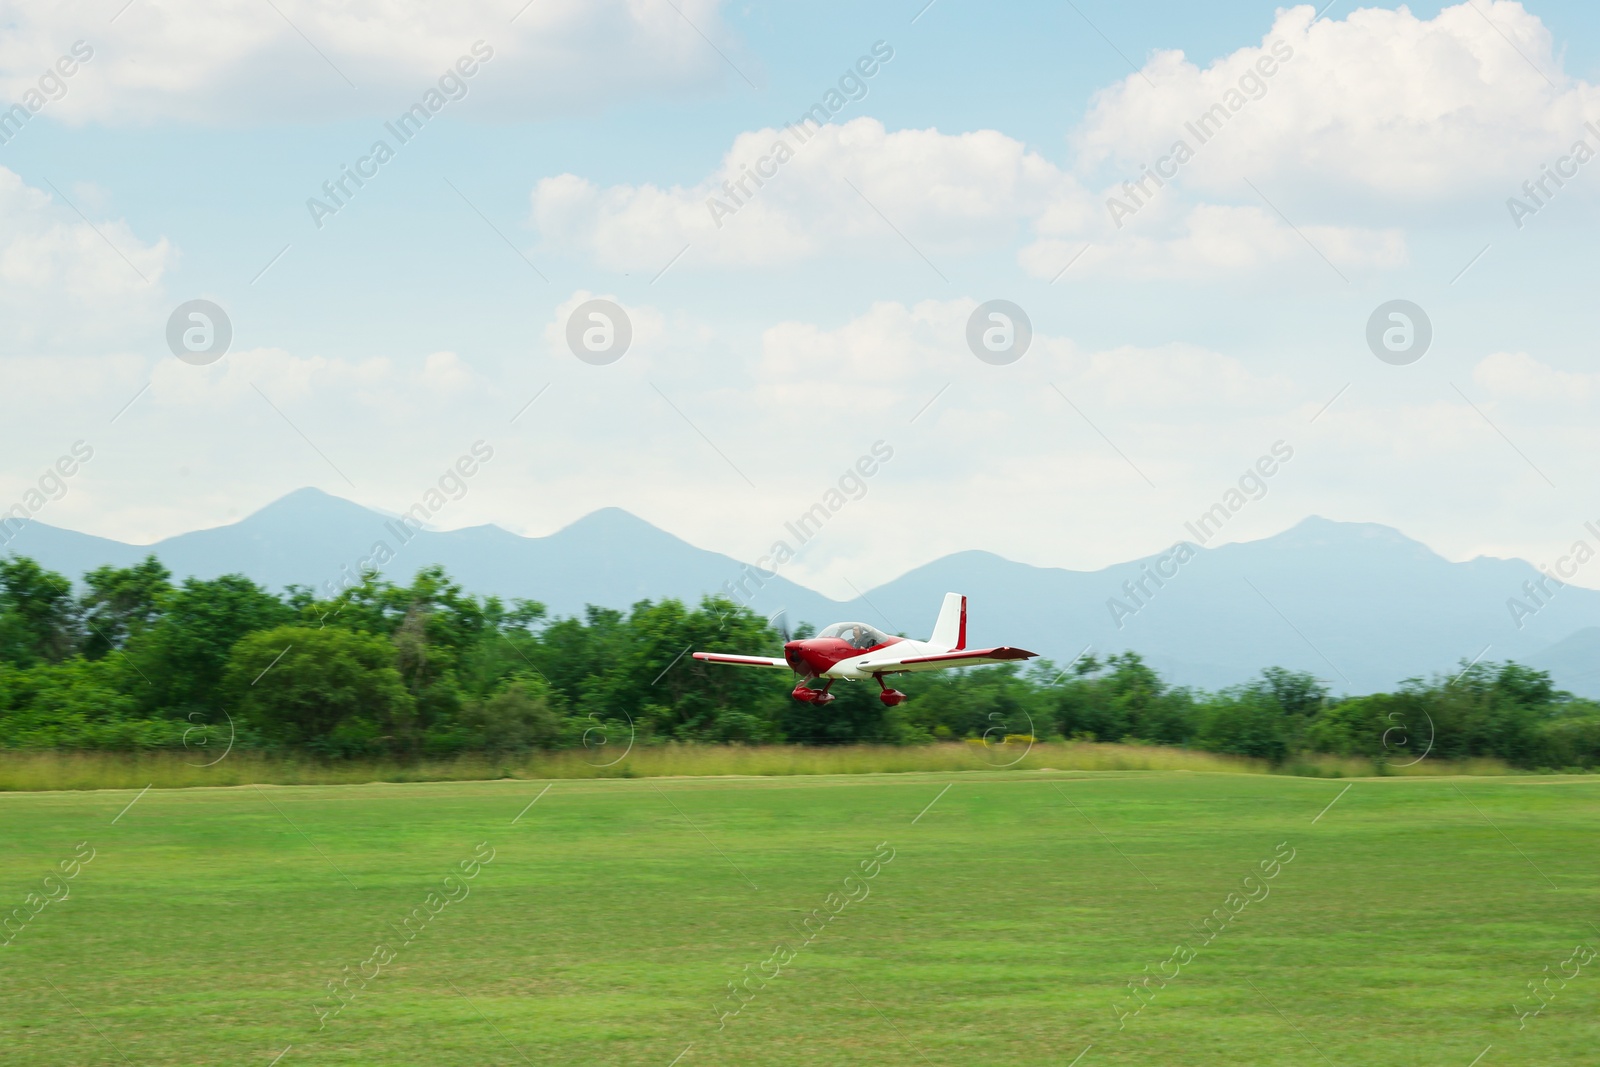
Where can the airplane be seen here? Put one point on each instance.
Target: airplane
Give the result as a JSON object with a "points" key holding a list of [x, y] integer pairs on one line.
{"points": [[857, 651]]}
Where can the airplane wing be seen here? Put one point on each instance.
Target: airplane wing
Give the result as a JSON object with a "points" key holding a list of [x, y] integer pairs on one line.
{"points": [[741, 661], [966, 657]]}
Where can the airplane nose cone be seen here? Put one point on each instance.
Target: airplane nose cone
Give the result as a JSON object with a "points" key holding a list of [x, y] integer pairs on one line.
{"points": [[795, 653]]}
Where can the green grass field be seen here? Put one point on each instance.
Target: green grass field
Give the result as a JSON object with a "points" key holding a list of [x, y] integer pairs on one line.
{"points": [[615, 913]]}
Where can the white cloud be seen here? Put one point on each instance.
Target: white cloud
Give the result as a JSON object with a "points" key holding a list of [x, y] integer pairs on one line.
{"points": [[38, 387], [776, 199], [943, 191], [891, 354], [1360, 123], [1179, 377], [1206, 240], [281, 376], [1379, 102], [446, 372], [1378, 117], [231, 61], [1519, 376], [63, 279], [884, 346]]}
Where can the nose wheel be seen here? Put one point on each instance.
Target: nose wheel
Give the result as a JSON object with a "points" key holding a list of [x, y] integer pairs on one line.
{"points": [[807, 695], [890, 697]]}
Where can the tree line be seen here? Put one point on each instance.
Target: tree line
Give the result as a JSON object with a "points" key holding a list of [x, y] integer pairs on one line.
{"points": [[130, 659]]}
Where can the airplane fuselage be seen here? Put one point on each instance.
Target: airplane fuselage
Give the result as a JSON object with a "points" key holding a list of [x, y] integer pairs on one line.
{"points": [[834, 657]]}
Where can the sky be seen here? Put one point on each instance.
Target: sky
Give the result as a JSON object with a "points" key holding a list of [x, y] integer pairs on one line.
{"points": [[1184, 333]]}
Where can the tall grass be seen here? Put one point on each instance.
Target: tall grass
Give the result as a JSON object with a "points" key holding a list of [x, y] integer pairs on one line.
{"points": [[48, 769]]}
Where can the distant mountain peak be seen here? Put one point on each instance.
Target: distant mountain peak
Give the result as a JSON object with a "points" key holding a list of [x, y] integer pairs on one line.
{"points": [[307, 499], [611, 526], [1315, 529], [609, 517], [305, 493]]}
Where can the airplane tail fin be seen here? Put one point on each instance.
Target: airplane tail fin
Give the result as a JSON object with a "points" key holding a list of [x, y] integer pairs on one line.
{"points": [[950, 632]]}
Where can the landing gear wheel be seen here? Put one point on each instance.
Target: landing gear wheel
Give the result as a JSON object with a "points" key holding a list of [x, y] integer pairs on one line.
{"points": [[890, 697], [807, 695]]}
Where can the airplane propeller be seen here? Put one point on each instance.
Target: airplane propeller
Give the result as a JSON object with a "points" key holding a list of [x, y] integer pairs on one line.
{"points": [[780, 620]]}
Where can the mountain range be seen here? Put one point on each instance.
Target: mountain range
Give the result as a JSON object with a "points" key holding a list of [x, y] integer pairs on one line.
{"points": [[1359, 605]]}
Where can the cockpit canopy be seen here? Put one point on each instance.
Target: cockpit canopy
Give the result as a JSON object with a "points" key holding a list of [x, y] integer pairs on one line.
{"points": [[857, 634]]}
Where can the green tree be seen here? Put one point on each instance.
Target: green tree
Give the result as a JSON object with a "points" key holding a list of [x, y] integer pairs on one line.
{"points": [[681, 697], [978, 702], [1295, 692], [334, 691], [1127, 699], [183, 655], [635, 671], [38, 618], [1368, 726], [77, 703], [522, 714], [1487, 709], [1572, 739], [450, 646], [122, 602], [1246, 721]]}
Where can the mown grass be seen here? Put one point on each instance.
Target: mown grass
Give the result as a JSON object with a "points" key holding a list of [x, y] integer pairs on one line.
{"points": [[614, 915], [46, 770]]}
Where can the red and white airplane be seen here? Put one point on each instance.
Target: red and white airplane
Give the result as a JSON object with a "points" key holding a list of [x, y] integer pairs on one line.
{"points": [[857, 651]]}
